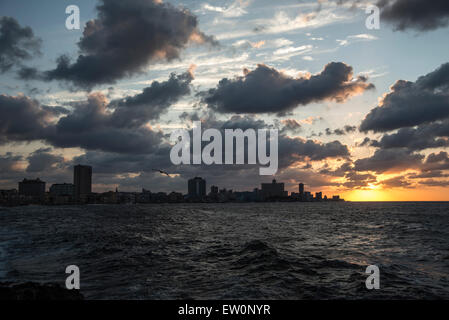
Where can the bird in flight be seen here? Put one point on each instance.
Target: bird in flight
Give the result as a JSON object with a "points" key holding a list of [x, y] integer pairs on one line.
{"points": [[162, 172]]}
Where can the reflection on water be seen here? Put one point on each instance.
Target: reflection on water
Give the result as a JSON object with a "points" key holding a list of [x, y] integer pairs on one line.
{"points": [[232, 251]]}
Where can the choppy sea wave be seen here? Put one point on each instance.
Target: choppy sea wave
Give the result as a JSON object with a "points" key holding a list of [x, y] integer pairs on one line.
{"points": [[232, 251]]}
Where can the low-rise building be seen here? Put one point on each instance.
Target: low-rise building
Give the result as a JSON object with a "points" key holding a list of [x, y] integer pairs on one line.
{"points": [[62, 189], [32, 188], [273, 190]]}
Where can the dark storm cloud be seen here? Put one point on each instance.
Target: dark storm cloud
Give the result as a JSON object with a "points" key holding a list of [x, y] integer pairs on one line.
{"points": [[435, 183], [341, 132], [396, 182], [421, 15], [425, 136], [266, 90], [124, 38], [8, 162], [354, 179], [349, 129], [292, 150], [22, 119], [436, 162], [189, 117], [412, 103], [154, 100], [16, 43], [137, 141], [238, 122], [389, 160], [30, 73], [291, 126], [366, 142], [340, 171], [437, 157], [429, 174], [358, 180], [42, 160], [436, 165], [94, 124], [89, 126]]}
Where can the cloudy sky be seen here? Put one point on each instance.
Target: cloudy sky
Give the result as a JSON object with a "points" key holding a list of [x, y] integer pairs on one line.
{"points": [[363, 113]]}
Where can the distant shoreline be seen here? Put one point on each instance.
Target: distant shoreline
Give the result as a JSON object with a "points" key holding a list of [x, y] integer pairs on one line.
{"points": [[208, 203]]}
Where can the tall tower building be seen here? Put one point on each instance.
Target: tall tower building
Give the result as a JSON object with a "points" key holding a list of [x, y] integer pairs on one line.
{"points": [[197, 187], [301, 189], [82, 179]]}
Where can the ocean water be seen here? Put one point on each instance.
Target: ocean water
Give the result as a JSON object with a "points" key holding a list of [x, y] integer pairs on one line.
{"points": [[232, 251]]}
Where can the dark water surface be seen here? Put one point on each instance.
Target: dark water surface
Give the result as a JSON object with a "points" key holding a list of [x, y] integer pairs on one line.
{"points": [[232, 251]]}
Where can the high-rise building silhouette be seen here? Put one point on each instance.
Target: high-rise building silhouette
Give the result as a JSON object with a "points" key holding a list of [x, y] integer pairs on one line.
{"points": [[197, 187], [301, 189], [82, 179]]}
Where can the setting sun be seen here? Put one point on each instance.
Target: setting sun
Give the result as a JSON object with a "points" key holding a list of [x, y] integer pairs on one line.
{"points": [[368, 195]]}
